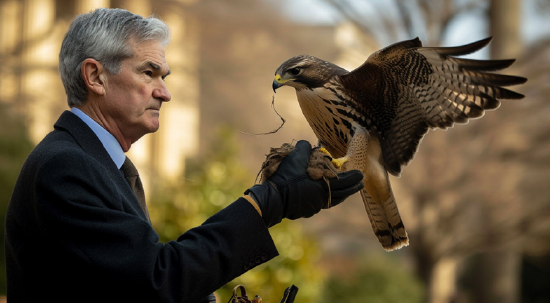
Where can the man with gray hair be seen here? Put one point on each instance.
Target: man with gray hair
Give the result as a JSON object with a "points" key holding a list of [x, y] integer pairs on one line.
{"points": [[77, 226]]}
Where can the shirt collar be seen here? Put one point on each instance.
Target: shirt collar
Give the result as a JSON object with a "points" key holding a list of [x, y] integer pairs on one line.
{"points": [[107, 139]]}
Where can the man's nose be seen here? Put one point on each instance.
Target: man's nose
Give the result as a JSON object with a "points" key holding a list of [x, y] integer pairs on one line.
{"points": [[162, 93]]}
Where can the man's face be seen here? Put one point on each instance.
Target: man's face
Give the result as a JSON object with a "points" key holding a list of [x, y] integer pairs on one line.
{"points": [[133, 97]]}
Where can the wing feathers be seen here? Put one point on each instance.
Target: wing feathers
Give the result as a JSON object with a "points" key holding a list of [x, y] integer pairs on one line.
{"points": [[461, 50], [508, 94], [482, 65], [407, 44], [475, 77], [405, 81]]}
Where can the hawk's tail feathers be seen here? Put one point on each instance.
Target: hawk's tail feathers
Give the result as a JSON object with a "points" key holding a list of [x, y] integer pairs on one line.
{"points": [[386, 222]]}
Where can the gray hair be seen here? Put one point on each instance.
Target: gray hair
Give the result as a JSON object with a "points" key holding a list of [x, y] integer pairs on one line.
{"points": [[103, 35]]}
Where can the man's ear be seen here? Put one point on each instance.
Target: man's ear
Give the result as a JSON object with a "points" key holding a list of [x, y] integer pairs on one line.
{"points": [[93, 74]]}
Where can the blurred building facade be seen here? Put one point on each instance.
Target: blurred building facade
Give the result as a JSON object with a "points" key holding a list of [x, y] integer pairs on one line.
{"points": [[31, 32]]}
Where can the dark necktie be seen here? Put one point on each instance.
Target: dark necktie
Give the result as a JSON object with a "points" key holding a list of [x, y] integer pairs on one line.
{"points": [[132, 177]]}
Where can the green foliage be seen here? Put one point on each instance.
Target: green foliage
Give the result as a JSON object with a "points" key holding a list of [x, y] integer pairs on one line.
{"points": [[213, 182], [14, 149], [379, 278]]}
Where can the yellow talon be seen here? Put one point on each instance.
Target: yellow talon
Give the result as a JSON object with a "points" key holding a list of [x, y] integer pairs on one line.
{"points": [[325, 151], [336, 162], [339, 162]]}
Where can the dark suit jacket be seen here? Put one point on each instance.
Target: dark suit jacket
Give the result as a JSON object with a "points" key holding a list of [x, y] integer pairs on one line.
{"points": [[76, 233]]}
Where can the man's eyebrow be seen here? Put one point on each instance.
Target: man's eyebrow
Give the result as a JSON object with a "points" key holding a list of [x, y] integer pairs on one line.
{"points": [[154, 66], [148, 64]]}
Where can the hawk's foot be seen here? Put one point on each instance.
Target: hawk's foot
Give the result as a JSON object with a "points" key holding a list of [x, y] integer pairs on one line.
{"points": [[340, 161], [325, 151], [336, 162]]}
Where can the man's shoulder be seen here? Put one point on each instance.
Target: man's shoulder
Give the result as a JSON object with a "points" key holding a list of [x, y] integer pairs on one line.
{"points": [[71, 144], [56, 142], [57, 146]]}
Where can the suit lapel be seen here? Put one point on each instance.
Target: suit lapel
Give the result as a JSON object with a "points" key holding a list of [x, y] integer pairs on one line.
{"points": [[91, 144]]}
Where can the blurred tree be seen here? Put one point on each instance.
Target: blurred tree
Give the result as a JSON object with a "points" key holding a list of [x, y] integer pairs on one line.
{"points": [[379, 278], [211, 183], [14, 148], [496, 273], [399, 19]]}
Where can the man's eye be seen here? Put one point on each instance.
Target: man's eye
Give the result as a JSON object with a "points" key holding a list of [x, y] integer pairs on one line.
{"points": [[149, 73], [295, 71]]}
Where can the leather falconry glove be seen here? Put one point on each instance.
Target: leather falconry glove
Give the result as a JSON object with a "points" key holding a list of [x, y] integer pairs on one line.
{"points": [[291, 193]]}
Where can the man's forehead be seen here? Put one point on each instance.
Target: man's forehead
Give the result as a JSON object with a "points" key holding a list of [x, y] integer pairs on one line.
{"points": [[150, 54], [147, 48]]}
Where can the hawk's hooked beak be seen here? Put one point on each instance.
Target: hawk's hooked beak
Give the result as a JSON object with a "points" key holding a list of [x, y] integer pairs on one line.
{"points": [[276, 85], [278, 82]]}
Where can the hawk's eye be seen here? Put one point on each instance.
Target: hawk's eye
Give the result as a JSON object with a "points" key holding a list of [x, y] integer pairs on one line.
{"points": [[295, 71]]}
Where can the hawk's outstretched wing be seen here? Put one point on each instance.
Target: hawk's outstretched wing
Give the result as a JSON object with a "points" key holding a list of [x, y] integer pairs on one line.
{"points": [[405, 88]]}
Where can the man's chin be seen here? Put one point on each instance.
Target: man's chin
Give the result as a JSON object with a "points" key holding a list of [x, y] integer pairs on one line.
{"points": [[153, 128], [154, 120]]}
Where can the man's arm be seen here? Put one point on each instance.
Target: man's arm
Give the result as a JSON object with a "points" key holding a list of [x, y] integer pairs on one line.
{"points": [[80, 214]]}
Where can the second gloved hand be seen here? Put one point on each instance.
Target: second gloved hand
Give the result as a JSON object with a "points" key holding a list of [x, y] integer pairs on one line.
{"points": [[291, 193]]}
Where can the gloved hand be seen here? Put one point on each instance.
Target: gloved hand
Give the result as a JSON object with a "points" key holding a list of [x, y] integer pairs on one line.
{"points": [[291, 193]]}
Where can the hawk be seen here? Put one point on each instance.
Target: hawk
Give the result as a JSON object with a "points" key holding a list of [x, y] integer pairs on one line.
{"points": [[374, 117]]}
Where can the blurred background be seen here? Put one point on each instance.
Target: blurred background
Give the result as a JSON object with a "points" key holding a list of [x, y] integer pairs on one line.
{"points": [[475, 200]]}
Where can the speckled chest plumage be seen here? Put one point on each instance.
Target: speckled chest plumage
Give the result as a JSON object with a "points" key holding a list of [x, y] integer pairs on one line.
{"points": [[331, 116]]}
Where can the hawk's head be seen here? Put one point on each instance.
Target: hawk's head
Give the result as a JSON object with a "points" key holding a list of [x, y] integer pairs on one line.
{"points": [[305, 71]]}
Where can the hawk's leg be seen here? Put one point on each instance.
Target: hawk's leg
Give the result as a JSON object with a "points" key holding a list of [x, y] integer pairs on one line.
{"points": [[357, 153]]}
